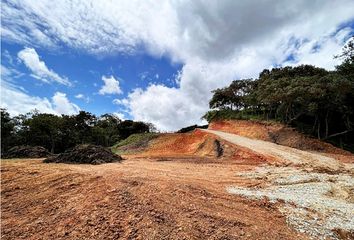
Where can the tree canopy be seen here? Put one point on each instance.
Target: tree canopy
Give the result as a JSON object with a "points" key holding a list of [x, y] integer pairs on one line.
{"points": [[58, 133]]}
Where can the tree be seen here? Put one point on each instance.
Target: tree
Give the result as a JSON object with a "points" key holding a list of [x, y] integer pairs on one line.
{"points": [[44, 130], [233, 97], [84, 121], [106, 130], [59, 133], [347, 51], [128, 127], [312, 99], [7, 129]]}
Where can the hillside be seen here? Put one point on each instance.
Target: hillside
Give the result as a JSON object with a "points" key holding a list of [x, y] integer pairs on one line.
{"points": [[277, 133]]}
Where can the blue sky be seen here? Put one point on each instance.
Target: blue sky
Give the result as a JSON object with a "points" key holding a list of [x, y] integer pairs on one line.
{"points": [[156, 61], [85, 71]]}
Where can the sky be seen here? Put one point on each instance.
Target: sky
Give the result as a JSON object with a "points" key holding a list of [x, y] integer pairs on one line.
{"points": [[156, 61]]}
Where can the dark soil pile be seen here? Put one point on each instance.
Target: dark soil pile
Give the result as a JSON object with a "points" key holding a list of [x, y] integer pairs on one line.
{"points": [[85, 154], [26, 152]]}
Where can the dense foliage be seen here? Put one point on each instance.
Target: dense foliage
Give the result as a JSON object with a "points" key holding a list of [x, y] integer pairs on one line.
{"points": [[59, 133], [312, 99]]}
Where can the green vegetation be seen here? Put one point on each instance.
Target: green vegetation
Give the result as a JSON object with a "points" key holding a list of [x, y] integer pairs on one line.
{"points": [[133, 143], [191, 128], [311, 99], [227, 114], [59, 133]]}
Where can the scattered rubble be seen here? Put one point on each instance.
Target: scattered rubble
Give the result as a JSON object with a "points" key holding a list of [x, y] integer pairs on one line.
{"points": [[86, 154], [318, 204]]}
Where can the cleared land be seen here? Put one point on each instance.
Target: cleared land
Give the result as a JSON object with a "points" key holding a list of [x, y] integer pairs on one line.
{"points": [[183, 186], [135, 199]]}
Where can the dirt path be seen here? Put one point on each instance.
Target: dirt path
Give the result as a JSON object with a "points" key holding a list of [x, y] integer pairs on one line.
{"points": [[315, 192], [288, 155]]}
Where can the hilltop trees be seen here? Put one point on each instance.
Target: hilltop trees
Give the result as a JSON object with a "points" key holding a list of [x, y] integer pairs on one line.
{"points": [[58, 133], [312, 99], [234, 97]]}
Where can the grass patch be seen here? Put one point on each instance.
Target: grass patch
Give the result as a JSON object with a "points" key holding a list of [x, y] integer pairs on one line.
{"points": [[134, 143]]}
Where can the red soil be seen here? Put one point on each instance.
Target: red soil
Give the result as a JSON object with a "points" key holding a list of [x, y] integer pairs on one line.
{"points": [[134, 199], [201, 147], [277, 133]]}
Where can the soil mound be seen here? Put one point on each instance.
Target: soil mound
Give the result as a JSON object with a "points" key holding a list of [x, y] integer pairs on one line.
{"points": [[198, 145], [26, 152], [85, 154]]}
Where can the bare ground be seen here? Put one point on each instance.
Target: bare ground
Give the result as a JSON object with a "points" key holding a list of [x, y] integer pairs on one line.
{"points": [[140, 198], [316, 191], [178, 189]]}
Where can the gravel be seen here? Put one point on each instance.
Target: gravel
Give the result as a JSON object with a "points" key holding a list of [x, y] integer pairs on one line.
{"points": [[314, 203]]}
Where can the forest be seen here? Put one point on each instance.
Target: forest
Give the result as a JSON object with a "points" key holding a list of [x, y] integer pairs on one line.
{"points": [[59, 133], [313, 100]]}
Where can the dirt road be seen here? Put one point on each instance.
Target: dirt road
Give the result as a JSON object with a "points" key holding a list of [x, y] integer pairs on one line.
{"points": [[286, 154]]}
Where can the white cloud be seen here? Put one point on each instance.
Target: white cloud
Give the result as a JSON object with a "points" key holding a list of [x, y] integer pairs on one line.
{"points": [[119, 115], [9, 72], [17, 101], [62, 105], [111, 86], [160, 104], [123, 102], [216, 41], [82, 97], [321, 52], [39, 69]]}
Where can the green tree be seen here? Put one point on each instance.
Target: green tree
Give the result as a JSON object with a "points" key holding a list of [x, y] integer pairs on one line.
{"points": [[44, 130], [7, 129]]}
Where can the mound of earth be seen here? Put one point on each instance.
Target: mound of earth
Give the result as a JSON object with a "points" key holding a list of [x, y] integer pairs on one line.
{"points": [[196, 144], [85, 154], [27, 152]]}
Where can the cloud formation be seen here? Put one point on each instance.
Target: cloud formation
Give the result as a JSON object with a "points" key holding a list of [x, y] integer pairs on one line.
{"points": [[17, 101], [216, 41], [39, 69], [82, 97], [62, 105], [111, 86]]}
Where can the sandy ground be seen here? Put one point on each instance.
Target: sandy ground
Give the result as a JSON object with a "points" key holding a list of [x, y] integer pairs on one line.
{"points": [[165, 198]]}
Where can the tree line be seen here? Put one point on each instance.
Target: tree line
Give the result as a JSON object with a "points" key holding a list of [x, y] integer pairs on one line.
{"points": [[311, 99], [59, 133]]}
